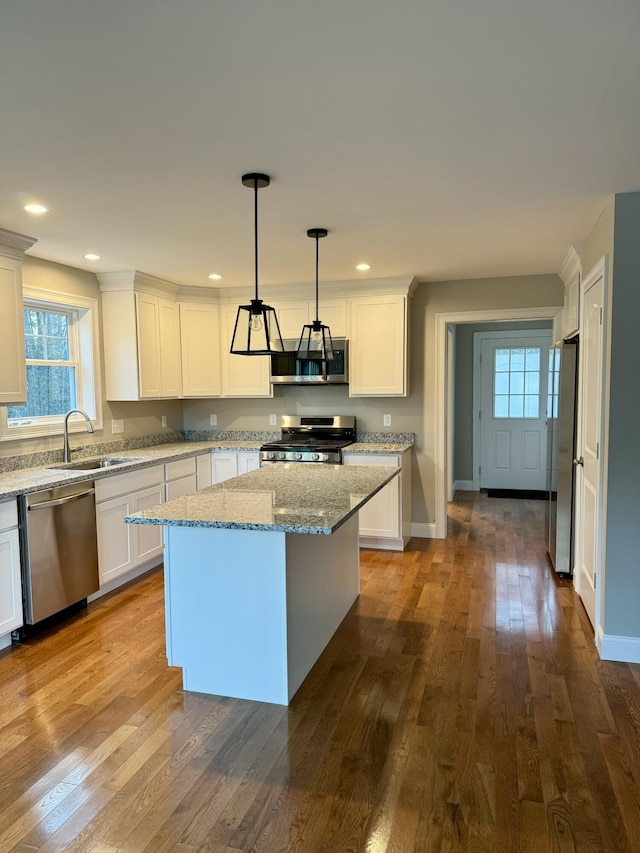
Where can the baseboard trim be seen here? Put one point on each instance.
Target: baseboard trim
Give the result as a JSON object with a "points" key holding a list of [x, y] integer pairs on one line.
{"points": [[424, 531], [623, 649], [5, 641], [463, 485]]}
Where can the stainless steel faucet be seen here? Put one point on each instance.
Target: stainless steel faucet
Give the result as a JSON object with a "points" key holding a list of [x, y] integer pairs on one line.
{"points": [[66, 449]]}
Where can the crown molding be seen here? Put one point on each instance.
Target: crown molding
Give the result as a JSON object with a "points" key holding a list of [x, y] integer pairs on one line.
{"points": [[135, 280], [572, 263], [14, 245]]}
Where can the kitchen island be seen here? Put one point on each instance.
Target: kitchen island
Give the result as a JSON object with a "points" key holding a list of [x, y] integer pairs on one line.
{"points": [[259, 572]]}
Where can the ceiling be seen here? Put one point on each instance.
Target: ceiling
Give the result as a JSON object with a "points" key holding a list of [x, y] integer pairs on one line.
{"points": [[445, 139]]}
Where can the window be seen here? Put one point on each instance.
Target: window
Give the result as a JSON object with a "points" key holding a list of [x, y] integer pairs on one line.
{"points": [[60, 349], [516, 382]]}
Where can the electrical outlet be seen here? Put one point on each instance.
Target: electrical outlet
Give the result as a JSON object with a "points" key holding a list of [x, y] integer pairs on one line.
{"points": [[164, 420], [213, 420], [117, 426], [273, 420], [386, 420]]}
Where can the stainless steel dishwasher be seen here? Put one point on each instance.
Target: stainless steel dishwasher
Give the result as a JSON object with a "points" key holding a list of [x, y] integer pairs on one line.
{"points": [[59, 548]]}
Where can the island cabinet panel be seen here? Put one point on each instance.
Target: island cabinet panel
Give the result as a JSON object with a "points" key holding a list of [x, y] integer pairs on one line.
{"points": [[378, 346], [200, 347], [122, 547], [281, 603], [242, 375], [10, 583]]}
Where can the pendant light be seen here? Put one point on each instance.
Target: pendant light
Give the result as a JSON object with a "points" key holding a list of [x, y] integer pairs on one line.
{"points": [[315, 341], [256, 331]]}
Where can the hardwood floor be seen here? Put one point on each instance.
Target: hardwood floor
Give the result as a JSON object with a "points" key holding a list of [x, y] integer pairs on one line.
{"points": [[461, 706]]}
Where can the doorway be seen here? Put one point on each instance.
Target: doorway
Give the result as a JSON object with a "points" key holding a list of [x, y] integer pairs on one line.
{"points": [[444, 389]]}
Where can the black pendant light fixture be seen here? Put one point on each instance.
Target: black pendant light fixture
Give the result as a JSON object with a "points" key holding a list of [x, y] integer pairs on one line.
{"points": [[315, 341], [256, 331]]}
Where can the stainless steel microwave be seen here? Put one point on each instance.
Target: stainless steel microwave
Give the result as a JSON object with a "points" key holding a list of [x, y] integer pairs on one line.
{"points": [[286, 369]]}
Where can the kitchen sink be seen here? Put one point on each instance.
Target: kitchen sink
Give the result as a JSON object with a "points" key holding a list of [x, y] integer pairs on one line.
{"points": [[93, 464]]}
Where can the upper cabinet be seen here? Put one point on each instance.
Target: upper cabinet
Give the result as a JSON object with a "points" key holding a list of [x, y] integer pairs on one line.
{"points": [[570, 273], [293, 315], [242, 375], [379, 346], [141, 338], [13, 375], [200, 346]]}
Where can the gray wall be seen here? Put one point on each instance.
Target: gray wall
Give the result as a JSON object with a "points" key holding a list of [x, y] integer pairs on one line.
{"points": [[622, 538], [463, 413]]}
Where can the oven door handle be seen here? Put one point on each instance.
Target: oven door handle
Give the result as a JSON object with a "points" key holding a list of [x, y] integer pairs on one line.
{"points": [[61, 501]]}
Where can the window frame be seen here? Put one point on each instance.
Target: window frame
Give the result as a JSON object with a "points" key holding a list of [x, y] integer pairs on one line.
{"points": [[84, 329]]}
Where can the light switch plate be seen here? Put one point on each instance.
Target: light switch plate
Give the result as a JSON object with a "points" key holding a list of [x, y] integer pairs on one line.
{"points": [[117, 426], [164, 420], [213, 420], [273, 420], [386, 420]]}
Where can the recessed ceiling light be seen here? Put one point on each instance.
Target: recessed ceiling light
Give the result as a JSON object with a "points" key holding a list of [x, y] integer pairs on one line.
{"points": [[36, 208], [92, 257], [363, 267], [215, 277]]}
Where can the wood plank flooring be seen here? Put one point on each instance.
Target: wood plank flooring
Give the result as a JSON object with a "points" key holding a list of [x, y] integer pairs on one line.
{"points": [[461, 706]]}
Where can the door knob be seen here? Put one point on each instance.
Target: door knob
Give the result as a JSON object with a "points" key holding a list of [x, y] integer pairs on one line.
{"points": [[579, 461]]}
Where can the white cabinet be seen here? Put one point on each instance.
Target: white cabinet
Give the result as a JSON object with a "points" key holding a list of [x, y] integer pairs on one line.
{"points": [[242, 375], [571, 310], [10, 584], [226, 464], [378, 346], [141, 345], [385, 520], [180, 477], [121, 546], [293, 315], [13, 374], [200, 347], [203, 471]]}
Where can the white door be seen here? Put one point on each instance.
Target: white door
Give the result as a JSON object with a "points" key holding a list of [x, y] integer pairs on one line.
{"points": [[512, 416], [589, 468]]}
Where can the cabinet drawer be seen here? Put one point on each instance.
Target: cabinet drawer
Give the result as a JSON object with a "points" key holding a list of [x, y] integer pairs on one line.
{"points": [[391, 460], [180, 468], [123, 484], [8, 515]]}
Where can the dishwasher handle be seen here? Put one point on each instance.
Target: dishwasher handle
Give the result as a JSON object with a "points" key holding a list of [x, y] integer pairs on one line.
{"points": [[60, 501]]}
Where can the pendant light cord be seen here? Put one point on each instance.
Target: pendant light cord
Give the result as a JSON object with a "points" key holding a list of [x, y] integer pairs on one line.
{"points": [[317, 242], [255, 228]]}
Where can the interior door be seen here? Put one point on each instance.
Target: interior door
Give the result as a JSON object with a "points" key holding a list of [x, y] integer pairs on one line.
{"points": [[513, 397], [589, 460]]}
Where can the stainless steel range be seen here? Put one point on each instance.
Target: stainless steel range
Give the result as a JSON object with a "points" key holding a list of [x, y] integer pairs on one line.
{"points": [[311, 439]]}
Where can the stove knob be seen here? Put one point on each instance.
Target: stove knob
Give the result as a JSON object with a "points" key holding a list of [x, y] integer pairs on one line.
{"points": [[298, 455], [315, 456], [325, 457], [282, 456], [271, 455]]}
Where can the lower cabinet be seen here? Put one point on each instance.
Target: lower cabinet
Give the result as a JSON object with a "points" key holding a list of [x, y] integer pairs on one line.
{"points": [[180, 478], [226, 464], [10, 583], [203, 471], [121, 546], [385, 520]]}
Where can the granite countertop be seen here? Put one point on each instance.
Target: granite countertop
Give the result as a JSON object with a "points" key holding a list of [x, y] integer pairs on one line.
{"points": [[378, 447], [288, 497]]}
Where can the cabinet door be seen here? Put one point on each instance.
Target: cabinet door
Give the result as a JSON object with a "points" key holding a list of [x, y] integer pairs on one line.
{"points": [[10, 586], [147, 541], [248, 462], [13, 375], [179, 488], [148, 328], [169, 336], [242, 375], [333, 313], [571, 310], [378, 346], [380, 517], [203, 471], [115, 552], [291, 318], [200, 343], [224, 466]]}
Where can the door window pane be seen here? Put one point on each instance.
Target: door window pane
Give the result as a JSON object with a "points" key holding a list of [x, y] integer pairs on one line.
{"points": [[516, 382]]}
